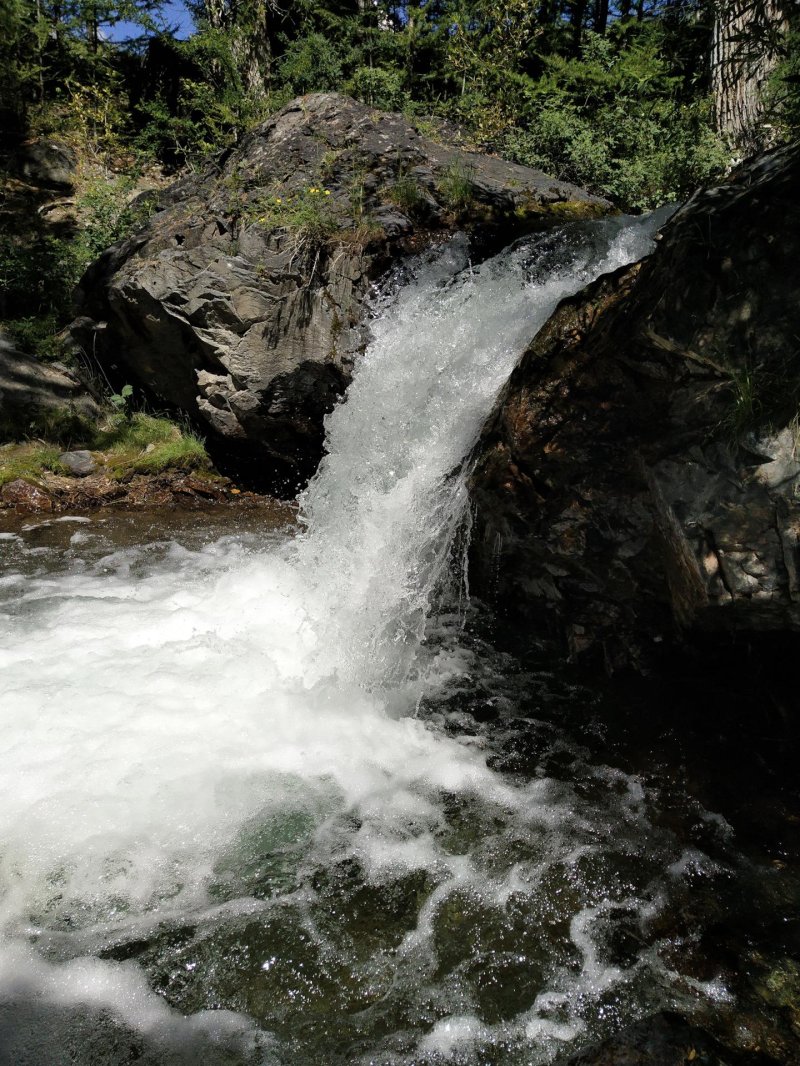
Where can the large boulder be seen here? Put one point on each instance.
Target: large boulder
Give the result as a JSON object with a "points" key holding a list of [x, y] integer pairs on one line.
{"points": [[39, 398], [240, 302], [637, 485], [46, 163]]}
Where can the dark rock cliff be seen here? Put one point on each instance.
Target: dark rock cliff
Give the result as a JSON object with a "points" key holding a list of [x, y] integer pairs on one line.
{"points": [[637, 485], [240, 302]]}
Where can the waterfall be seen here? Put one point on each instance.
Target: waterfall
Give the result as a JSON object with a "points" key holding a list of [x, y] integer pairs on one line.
{"points": [[174, 718], [389, 493]]}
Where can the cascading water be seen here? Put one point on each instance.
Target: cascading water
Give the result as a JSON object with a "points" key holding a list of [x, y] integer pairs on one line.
{"points": [[222, 825]]}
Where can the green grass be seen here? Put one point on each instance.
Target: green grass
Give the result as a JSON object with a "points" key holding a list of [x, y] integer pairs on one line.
{"points": [[28, 461], [456, 186], [405, 193], [146, 444], [308, 212], [141, 444]]}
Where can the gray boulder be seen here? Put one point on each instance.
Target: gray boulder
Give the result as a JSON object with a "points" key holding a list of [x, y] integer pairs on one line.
{"points": [[47, 164], [241, 302]]}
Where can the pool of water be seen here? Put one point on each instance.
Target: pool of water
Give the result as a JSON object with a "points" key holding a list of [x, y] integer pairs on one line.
{"points": [[523, 868]]}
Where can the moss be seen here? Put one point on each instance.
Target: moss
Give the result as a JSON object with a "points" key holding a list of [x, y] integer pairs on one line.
{"points": [[532, 211], [28, 461]]}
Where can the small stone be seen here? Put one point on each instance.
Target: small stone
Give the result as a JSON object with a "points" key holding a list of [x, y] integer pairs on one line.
{"points": [[78, 463]]}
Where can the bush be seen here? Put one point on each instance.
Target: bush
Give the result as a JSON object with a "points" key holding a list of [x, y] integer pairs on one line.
{"points": [[638, 154], [307, 212], [39, 270], [783, 91], [378, 87], [311, 64]]}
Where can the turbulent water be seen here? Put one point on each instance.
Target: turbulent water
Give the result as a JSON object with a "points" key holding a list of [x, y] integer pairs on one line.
{"points": [[236, 809]]}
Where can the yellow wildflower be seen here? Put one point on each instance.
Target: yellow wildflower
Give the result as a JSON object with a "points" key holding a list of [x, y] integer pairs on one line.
{"points": [[327, 192]]}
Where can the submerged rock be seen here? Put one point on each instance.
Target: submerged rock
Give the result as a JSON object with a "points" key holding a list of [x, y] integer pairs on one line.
{"points": [[241, 301], [638, 481], [666, 1040]]}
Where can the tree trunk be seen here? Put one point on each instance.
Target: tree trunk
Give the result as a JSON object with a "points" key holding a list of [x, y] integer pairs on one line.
{"points": [[253, 51], [745, 48], [577, 17], [247, 25]]}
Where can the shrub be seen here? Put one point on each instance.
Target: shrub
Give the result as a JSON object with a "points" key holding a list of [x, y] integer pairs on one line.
{"points": [[307, 212], [311, 64], [378, 87]]}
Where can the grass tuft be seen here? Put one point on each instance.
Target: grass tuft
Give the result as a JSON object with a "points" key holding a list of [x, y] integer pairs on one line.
{"points": [[146, 444], [28, 461], [456, 186]]}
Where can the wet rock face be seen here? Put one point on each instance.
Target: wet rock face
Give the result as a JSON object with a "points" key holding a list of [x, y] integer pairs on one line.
{"points": [[242, 300], [638, 481]]}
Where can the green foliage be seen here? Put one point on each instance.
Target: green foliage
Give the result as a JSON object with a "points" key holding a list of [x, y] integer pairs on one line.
{"points": [[784, 88], [122, 402], [307, 212], [378, 87], [39, 269], [35, 334], [405, 192], [614, 119], [28, 461], [109, 215], [148, 444], [637, 155], [38, 272], [311, 64], [456, 186], [763, 396], [141, 443], [57, 425]]}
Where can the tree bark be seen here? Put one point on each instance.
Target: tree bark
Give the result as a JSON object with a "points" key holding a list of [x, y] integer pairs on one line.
{"points": [[744, 51], [248, 27], [577, 17]]}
